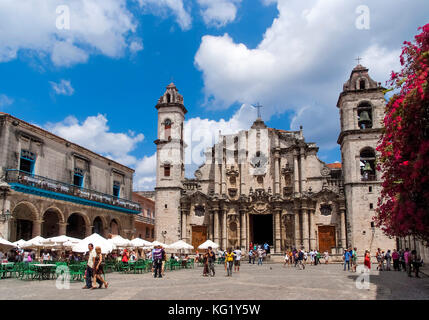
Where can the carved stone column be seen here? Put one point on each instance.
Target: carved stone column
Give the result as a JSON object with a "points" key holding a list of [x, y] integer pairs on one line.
{"points": [[305, 229], [277, 223], [302, 171], [243, 229], [216, 226], [37, 228], [276, 172], [295, 171], [298, 242], [343, 227], [184, 224], [311, 217], [62, 229], [210, 226], [224, 229], [88, 231]]}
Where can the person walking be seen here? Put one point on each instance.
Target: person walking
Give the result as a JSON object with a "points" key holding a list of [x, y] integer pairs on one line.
{"points": [[346, 258], [407, 258], [326, 256], [354, 259], [229, 260], [237, 254], [395, 258], [250, 256], [206, 264], [157, 261], [89, 272], [300, 259], [388, 258], [378, 257], [367, 261], [98, 269], [286, 259], [260, 255], [211, 261], [416, 262]]}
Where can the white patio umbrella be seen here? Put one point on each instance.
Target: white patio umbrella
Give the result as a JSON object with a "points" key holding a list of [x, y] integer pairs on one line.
{"points": [[36, 242], [207, 244], [140, 243], [19, 243], [120, 242], [97, 241], [6, 245], [157, 243], [59, 240], [181, 245]]}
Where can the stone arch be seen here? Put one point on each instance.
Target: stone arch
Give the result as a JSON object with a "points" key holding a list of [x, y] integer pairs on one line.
{"points": [[367, 107], [115, 230], [25, 219], [99, 225], [52, 217], [58, 212], [77, 223], [367, 157]]}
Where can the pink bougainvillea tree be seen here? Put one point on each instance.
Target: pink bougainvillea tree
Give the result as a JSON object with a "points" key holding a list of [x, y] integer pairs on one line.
{"points": [[403, 207]]}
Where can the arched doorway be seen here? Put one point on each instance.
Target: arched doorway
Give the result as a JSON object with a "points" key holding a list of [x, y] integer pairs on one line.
{"points": [[22, 224], [76, 226], [98, 226], [114, 227], [50, 226]]}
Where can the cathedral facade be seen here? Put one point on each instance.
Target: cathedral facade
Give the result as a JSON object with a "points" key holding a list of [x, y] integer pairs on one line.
{"points": [[268, 185]]}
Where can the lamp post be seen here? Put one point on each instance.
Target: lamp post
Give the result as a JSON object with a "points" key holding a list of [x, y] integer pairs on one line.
{"points": [[5, 214]]}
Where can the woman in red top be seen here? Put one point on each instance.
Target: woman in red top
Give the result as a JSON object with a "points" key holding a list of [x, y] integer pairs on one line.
{"points": [[125, 256], [367, 261], [250, 245]]}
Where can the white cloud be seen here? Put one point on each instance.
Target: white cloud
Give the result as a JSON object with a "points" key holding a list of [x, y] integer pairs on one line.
{"points": [[5, 100], [305, 57], [62, 88], [96, 27], [218, 13], [94, 134], [167, 7]]}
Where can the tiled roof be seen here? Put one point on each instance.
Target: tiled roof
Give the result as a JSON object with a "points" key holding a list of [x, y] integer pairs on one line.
{"points": [[335, 165]]}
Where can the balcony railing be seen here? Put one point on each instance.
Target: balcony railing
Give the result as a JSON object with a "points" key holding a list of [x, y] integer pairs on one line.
{"points": [[144, 219], [24, 178], [368, 177]]}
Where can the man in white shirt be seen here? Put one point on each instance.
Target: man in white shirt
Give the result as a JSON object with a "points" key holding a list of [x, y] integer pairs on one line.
{"points": [[237, 259], [311, 257], [89, 273]]}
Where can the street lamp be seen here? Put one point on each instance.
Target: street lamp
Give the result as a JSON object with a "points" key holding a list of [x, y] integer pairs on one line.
{"points": [[5, 216]]}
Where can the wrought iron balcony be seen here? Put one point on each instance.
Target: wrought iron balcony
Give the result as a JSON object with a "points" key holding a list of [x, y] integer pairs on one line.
{"points": [[141, 218], [21, 178]]}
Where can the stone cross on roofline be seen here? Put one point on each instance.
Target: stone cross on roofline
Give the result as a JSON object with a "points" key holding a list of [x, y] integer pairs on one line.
{"points": [[258, 106]]}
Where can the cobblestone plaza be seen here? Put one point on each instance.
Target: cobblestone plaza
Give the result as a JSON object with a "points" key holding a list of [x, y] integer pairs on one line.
{"points": [[266, 282]]}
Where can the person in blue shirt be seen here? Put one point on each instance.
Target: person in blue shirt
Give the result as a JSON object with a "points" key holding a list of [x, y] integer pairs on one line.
{"points": [[347, 256]]}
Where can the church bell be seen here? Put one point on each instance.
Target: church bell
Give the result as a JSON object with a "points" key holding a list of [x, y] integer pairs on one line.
{"points": [[367, 167], [364, 117]]}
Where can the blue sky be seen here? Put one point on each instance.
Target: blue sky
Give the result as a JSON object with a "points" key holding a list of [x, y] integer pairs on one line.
{"points": [[98, 82]]}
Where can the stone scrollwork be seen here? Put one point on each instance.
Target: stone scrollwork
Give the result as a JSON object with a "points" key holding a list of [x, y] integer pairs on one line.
{"points": [[325, 171]]}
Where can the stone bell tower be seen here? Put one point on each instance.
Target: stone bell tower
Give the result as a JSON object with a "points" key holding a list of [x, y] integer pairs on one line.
{"points": [[361, 106], [169, 165]]}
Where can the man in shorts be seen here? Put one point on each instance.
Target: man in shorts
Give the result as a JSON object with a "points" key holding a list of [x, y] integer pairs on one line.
{"points": [[237, 259]]}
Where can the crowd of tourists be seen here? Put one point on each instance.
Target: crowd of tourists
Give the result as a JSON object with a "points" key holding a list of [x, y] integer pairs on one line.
{"points": [[403, 260], [299, 258]]}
